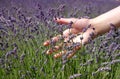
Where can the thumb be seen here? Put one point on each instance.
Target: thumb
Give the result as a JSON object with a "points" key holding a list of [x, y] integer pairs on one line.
{"points": [[65, 20]]}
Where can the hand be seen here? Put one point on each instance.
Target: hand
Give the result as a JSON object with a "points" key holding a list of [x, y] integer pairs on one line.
{"points": [[77, 28]]}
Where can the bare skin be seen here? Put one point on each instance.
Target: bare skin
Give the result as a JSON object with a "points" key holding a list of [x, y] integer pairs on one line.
{"points": [[100, 23]]}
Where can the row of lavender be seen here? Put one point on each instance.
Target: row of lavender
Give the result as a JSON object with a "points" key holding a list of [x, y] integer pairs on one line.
{"points": [[24, 28]]}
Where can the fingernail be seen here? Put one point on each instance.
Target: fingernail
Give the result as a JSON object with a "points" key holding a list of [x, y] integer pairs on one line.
{"points": [[48, 52], [46, 43], [56, 56]]}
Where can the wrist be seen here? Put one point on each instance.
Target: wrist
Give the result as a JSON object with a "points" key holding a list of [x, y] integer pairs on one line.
{"points": [[102, 22]]}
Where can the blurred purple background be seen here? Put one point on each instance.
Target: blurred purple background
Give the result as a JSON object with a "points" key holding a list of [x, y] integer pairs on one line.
{"points": [[29, 5], [52, 3]]}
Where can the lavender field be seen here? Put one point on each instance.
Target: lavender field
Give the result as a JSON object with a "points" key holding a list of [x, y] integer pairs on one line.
{"points": [[26, 24]]}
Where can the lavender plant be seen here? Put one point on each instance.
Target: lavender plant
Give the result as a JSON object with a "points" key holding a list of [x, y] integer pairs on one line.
{"points": [[25, 25]]}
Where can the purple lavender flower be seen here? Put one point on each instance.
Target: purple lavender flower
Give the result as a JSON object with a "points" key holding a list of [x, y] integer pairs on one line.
{"points": [[101, 69], [75, 76], [86, 28], [1, 61], [22, 57], [112, 46]]}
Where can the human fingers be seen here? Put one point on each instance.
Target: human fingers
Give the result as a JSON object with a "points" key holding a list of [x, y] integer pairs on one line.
{"points": [[66, 20], [74, 51], [56, 48], [58, 55], [70, 53], [54, 39], [67, 32], [65, 35], [76, 23]]}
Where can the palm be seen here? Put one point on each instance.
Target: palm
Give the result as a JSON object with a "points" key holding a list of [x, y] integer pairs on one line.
{"points": [[77, 27]]}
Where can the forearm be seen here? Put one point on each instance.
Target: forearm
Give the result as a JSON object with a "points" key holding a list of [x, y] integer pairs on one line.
{"points": [[102, 22]]}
